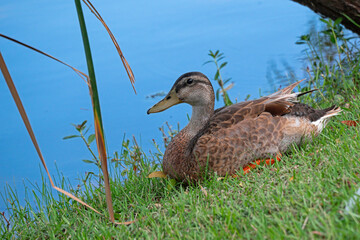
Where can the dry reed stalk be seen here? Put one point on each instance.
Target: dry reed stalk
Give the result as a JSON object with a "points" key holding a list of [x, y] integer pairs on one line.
{"points": [[123, 59], [81, 74]]}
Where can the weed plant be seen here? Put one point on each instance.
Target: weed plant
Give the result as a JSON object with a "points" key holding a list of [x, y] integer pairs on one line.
{"points": [[217, 58]]}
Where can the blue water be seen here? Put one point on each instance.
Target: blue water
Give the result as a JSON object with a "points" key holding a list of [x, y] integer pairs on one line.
{"points": [[160, 39]]}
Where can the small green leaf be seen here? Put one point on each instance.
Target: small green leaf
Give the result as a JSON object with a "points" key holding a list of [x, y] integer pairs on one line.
{"points": [[123, 173], [171, 184], [305, 37], [71, 136], [210, 61], [328, 22], [81, 126], [223, 65], [83, 123], [227, 100], [91, 138], [299, 42], [88, 161], [338, 21], [323, 20], [217, 75], [117, 216], [332, 39]]}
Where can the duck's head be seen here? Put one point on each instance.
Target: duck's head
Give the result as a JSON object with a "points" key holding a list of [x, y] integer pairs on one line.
{"points": [[193, 88]]}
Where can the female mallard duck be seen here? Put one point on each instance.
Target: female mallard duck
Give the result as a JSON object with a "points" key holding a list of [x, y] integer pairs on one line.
{"points": [[231, 137]]}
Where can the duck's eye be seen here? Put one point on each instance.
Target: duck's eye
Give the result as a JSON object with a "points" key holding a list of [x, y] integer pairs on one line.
{"points": [[189, 81]]}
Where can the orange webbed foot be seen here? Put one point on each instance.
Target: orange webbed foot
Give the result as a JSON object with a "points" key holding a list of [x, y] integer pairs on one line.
{"points": [[269, 161]]}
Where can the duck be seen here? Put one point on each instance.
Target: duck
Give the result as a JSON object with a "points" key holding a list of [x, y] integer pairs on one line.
{"points": [[231, 137]]}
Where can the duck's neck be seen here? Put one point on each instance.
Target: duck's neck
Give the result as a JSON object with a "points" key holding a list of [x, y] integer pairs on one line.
{"points": [[199, 117], [177, 160]]}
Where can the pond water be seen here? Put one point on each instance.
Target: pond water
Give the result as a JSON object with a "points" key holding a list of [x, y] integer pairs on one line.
{"points": [[160, 39]]}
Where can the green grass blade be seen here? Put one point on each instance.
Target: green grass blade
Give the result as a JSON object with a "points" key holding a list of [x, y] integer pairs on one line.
{"points": [[351, 20], [96, 108]]}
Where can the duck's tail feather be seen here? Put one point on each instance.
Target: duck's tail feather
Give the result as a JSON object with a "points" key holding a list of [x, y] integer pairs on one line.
{"points": [[299, 94], [286, 95], [286, 90], [330, 112], [293, 97]]}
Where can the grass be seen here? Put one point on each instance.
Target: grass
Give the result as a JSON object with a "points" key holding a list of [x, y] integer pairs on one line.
{"points": [[302, 197]]}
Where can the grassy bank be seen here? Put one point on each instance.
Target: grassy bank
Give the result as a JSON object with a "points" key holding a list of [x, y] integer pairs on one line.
{"points": [[303, 196]]}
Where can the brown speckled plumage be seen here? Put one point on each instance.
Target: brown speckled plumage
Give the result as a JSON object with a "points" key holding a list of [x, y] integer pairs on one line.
{"points": [[225, 140]]}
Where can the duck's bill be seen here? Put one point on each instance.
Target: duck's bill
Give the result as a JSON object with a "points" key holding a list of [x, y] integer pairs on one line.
{"points": [[170, 100]]}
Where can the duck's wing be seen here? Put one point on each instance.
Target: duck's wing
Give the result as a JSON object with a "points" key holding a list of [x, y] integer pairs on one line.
{"points": [[230, 117], [277, 104]]}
